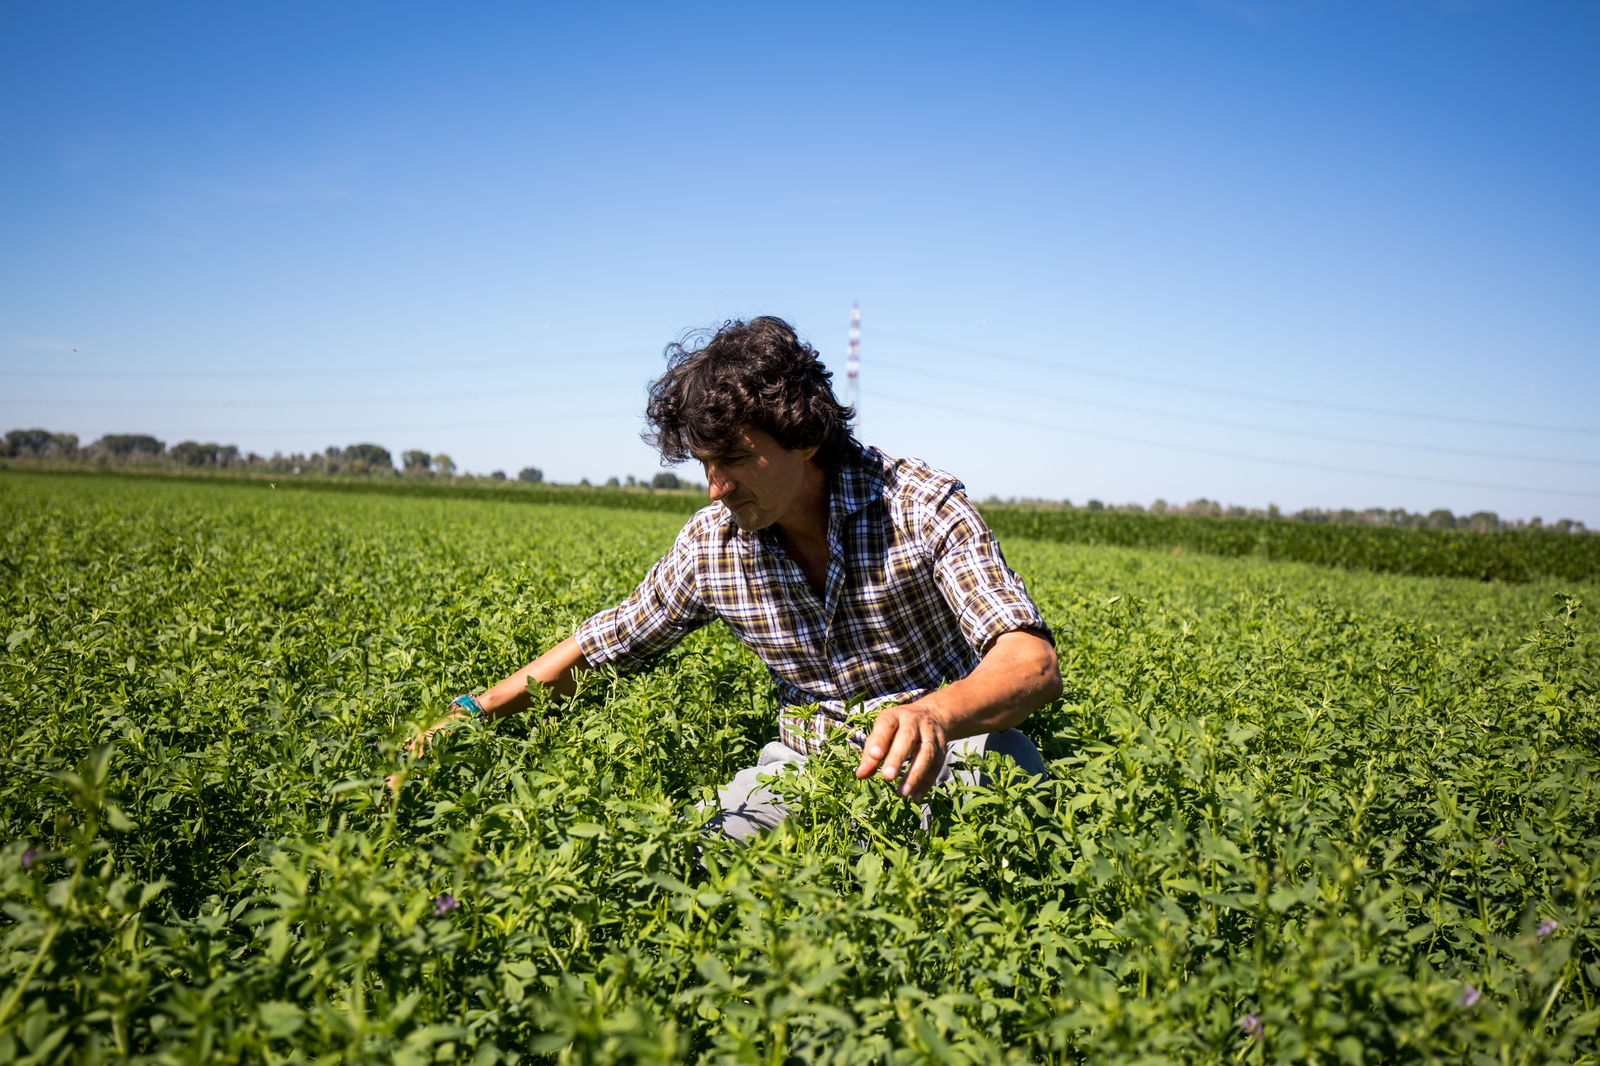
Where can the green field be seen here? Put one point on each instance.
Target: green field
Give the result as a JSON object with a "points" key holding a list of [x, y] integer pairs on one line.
{"points": [[1295, 813]]}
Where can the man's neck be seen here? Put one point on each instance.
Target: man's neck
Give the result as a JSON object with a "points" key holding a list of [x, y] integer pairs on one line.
{"points": [[806, 525]]}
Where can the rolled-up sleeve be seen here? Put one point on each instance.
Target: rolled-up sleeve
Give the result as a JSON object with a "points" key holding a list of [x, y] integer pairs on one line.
{"points": [[986, 596], [661, 611]]}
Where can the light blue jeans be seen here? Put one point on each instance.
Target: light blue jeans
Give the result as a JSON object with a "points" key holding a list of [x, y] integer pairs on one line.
{"points": [[748, 806]]}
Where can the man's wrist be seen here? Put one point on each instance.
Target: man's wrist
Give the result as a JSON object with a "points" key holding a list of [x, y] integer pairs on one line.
{"points": [[933, 708], [469, 703]]}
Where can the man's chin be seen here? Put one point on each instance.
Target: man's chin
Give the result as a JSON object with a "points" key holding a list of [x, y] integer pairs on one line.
{"points": [[749, 519]]}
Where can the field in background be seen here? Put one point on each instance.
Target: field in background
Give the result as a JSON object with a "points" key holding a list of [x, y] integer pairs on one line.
{"points": [[1519, 555], [1295, 813]]}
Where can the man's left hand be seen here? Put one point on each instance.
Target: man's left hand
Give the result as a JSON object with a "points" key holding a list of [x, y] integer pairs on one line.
{"points": [[910, 737], [1017, 675]]}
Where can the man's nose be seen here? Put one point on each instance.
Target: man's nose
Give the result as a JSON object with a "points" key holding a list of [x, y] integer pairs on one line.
{"points": [[717, 483]]}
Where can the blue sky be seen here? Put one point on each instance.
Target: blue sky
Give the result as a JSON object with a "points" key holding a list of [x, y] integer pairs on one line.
{"points": [[1311, 254]]}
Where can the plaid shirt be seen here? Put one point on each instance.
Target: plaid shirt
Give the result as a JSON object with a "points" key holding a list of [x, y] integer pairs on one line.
{"points": [[916, 591]]}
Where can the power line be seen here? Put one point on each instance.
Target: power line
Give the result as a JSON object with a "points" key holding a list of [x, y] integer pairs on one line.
{"points": [[339, 401], [530, 422], [1192, 450], [1236, 393], [319, 372], [1227, 424]]}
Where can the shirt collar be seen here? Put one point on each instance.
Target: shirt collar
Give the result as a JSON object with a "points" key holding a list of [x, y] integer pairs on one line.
{"points": [[855, 484]]}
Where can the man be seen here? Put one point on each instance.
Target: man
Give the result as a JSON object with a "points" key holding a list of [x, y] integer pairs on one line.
{"points": [[853, 576]]}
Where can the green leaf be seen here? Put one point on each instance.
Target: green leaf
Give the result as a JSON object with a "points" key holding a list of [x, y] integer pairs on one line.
{"points": [[281, 1019]]}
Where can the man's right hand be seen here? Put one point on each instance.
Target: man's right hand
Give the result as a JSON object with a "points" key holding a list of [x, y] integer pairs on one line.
{"points": [[553, 670], [418, 747]]}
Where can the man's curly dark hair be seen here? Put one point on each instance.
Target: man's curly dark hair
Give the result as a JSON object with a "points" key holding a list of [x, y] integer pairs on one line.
{"points": [[748, 375]]}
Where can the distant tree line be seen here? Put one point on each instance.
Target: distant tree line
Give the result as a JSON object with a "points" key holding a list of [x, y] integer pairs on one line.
{"points": [[1381, 517], [141, 448], [364, 459], [373, 459]]}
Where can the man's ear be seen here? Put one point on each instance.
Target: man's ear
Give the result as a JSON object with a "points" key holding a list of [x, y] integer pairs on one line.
{"points": [[810, 453]]}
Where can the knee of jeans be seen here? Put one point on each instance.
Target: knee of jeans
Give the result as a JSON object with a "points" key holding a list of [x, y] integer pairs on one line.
{"points": [[1011, 743], [743, 822], [1015, 745], [776, 752]]}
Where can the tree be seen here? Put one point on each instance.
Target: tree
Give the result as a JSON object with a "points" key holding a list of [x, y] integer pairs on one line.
{"points": [[443, 465], [193, 453], [28, 442], [498, 475], [131, 445], [39, 444], [531, 474], [369, 458], [416, 463], [613, 483], [666, 479]]}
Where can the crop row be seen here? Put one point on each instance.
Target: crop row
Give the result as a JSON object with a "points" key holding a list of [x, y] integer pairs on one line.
{"points": [[1517, 556], [1507, 555]]}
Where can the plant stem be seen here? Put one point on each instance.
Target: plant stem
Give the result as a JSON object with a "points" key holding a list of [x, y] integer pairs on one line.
{"points": [[33, 968]]}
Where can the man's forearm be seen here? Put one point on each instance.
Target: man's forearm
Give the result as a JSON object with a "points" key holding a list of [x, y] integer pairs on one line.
{"points": [[1016, 677], [554, 670]]}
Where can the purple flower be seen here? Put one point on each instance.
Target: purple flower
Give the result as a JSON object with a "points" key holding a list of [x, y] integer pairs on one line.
{"points": [[1497, 842], [28, 856], [1252, 1027], [1469, 996], [1548, 926], [444, 905]]}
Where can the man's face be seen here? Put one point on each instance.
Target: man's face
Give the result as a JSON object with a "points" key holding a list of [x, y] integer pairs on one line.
{"points": [[761, 482]]}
